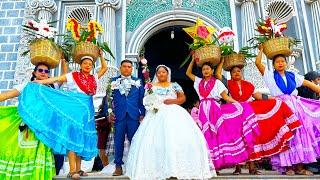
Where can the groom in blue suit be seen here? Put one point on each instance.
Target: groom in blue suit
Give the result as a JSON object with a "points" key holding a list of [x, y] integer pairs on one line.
{"points": [[128, 93]]}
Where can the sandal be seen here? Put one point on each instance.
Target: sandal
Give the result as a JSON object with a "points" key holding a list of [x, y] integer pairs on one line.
{"points": [[290, 172], [73, 175], [82, 173], [304, 172], [254, 172]]}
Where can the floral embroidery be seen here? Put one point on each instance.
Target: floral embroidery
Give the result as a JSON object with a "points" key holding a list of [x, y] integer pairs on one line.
{"points": [[124, 85]]}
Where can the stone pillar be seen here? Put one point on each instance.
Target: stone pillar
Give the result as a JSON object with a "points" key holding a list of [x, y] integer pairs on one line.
{"points": [[296, 52], [35, 9], [248, 20], [109, 8], [315, 12]]}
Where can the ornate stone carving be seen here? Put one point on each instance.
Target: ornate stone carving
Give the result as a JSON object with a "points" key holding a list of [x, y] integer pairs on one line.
{"points": [[296, 52], [37, 5], [115, 4], [177, 3], [240, 2], [139, 11], [311, 1]]}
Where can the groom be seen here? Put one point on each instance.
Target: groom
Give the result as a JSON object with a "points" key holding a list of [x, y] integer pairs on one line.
{"points": [[128, 93]]}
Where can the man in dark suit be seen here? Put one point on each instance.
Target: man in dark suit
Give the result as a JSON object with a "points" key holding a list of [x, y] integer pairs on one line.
{"points": [[128, 93]]}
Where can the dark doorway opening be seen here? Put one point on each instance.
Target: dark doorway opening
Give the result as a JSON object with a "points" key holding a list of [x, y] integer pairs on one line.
{"points": [[171, 50]]}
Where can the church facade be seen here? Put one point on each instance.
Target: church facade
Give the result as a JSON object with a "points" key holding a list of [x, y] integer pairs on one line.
{"points": [[128, 24]]}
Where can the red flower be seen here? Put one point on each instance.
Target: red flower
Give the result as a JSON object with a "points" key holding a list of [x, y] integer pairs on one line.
{"points": [[148, 86], [197, 59], [261, 31], [146, 75], [46, 29]]}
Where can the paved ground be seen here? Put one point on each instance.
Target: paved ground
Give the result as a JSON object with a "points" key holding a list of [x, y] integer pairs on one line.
{"points": [[224, 174]]}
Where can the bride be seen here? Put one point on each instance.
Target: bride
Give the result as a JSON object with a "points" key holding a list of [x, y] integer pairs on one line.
{"points": [[168, 142]]}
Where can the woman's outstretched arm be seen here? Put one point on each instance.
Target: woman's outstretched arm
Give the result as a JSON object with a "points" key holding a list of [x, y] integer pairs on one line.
{"points": [[189, 71]]}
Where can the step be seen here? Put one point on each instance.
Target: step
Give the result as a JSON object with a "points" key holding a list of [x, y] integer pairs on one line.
{"points": [[224, 174]]}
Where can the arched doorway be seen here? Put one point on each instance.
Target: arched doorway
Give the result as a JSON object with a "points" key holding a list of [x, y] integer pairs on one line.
{"points": [[169, 47], [157, 29]]}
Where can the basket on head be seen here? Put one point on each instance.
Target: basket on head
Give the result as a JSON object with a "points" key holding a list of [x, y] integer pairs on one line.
{"points": [[275, 46], [233, 60], [210, 53], [85, 49], [46, 52]]}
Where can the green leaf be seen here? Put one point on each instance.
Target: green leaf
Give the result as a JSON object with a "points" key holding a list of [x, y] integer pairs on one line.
{"points": [[185, 61], [25, 53], [106, 48]]}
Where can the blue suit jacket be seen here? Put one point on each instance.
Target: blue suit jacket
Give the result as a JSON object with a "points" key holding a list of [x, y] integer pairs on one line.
{"points": [[131, 104]]}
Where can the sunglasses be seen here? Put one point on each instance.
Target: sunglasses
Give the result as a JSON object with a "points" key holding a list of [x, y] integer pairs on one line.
{"points": [[43, 71]]}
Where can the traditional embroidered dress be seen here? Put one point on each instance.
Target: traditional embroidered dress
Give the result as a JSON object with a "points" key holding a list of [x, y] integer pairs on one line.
{"points": [[275, 119], [168, 143], [64, 121], [229, 129], [22, 155], [304, 146]]}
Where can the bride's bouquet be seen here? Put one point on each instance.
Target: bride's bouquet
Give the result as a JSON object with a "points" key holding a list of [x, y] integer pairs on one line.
{"points": [[152, 102]]}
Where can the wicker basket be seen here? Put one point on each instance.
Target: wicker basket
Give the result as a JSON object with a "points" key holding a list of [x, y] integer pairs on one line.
{"points": [[46, 52], [232, 60], [85, 49], [277, 46], [211, 53]]}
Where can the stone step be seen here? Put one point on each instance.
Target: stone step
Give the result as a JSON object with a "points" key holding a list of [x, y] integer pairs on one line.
{"points": [[224, 174]]}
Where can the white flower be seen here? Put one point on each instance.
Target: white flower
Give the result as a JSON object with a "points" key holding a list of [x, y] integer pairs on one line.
{"points": [[152, 102], [143, 61], [115, 84], [109, 110], [137, 83]]}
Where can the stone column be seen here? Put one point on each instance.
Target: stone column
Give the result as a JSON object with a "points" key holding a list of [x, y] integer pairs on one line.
{"points": [[296, 52], [109, 8], [248, 20], [315, 11], [35, 9]]}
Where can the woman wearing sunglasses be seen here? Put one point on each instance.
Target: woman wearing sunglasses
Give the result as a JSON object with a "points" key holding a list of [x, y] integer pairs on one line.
{"points": [[22, 155], [67, 123]]}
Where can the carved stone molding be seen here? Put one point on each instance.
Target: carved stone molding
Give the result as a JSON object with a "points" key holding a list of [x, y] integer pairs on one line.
{"points": [[48, 5], [115, 4], [311, 1], [240, 2]]}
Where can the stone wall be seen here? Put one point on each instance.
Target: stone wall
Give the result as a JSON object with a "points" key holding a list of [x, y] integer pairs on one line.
{"points": [[11, 17]]}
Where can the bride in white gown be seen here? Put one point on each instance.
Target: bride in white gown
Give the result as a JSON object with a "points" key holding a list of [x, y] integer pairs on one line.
{"points": [[168, 143]]}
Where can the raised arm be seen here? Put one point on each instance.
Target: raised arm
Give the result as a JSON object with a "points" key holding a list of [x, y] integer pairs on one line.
{"points": [[103, 68], [9, 94], [64, 65], [259, 64], [311, 85], [64, 71], [218, 73], [189, 71], [59, 79]]}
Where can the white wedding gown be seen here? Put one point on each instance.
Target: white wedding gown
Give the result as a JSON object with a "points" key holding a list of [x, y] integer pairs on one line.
{"points": [[168, 144]]}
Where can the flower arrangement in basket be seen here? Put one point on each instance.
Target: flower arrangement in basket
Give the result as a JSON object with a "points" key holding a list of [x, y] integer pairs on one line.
{"points": [[203, 48], [232, 58], [42, 47], [272, 38], [80, 41]]}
